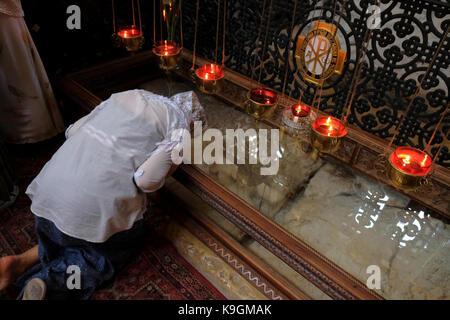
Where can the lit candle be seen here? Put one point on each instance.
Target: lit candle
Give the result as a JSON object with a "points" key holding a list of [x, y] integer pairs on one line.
{"points": [[129, 33], [166, 48], [329, 126], [411, 160], [210, 71], [300, 110], [263, 96]]}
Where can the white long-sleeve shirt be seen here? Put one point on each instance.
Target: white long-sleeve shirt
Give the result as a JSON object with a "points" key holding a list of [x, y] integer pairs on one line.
{"points": [[87, 188], [151, 175]]}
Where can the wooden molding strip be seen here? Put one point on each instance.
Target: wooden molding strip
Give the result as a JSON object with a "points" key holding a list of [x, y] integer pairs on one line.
{"points": [[112, 66], [85, 99]]}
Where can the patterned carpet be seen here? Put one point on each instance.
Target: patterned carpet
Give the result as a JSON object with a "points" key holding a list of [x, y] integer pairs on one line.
{"points": [[159, 272]]}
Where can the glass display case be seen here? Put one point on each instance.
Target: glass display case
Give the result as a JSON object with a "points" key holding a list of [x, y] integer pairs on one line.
{"points": [[327, 223]]}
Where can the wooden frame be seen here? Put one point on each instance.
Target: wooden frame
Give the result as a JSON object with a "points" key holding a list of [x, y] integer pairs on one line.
{"points": [[359, 150]]}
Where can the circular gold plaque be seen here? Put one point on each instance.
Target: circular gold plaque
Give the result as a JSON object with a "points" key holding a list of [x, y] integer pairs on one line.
{"points": [[319, 53]]}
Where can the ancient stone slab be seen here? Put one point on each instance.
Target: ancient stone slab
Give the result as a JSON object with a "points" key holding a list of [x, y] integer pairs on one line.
{"points": [[357, 223]]}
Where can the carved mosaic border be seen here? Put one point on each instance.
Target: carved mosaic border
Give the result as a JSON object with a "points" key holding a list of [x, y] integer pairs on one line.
{"points": [[236, 263]]}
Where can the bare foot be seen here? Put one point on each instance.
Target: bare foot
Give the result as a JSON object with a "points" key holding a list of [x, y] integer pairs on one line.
{"points": [[8, 271], [11, 267]]}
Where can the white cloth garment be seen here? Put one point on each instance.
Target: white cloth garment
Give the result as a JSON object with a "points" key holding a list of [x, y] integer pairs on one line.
{"points": [[87, 188], [28, 109]]}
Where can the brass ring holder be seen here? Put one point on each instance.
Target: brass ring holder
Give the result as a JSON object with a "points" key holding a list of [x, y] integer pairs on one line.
{"points": [[323, 143], [134, 43], [209, 86], [406, 181], [258, 110], [131, 42], [167, 62]]}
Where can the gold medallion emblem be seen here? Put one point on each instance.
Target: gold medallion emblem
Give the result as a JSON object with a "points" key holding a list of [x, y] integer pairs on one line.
{"points": [[316, 64]]}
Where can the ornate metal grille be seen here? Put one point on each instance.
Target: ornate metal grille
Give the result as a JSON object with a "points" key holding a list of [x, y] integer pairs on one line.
{"points": [[398, 55]]}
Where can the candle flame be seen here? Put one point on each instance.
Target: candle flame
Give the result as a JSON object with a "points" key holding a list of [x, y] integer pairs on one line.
{"points": [[164, 14], [128, 33], [330, 128], [424, 161], [406, 159]]}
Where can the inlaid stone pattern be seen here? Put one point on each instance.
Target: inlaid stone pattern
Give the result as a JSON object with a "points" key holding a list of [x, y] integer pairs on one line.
{"points": [[289, 273], [230, 283]]}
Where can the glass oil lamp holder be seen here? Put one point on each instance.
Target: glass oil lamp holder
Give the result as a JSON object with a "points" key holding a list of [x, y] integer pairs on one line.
{"points": [[327, 133], [261, 103], [298, 117], [209, 78], [409, 167], [130, 38], [167, 53]]}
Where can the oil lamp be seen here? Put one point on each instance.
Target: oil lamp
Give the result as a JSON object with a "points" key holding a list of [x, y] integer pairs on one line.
{"points": [[167, 53], [209, 77], [129, 37], [167, 49], [327, 133], [300, 110], [261, 103], [298, 116], [408, 167]]}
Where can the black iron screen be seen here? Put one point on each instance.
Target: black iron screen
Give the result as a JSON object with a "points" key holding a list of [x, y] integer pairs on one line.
{"points": [[399, 53]]}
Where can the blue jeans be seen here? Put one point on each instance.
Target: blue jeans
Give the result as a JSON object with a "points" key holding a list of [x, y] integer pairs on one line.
{"points": [[98, 262]]}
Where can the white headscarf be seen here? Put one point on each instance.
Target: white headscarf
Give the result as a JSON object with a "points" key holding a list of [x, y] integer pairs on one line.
{"points": [[190, 105]]}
